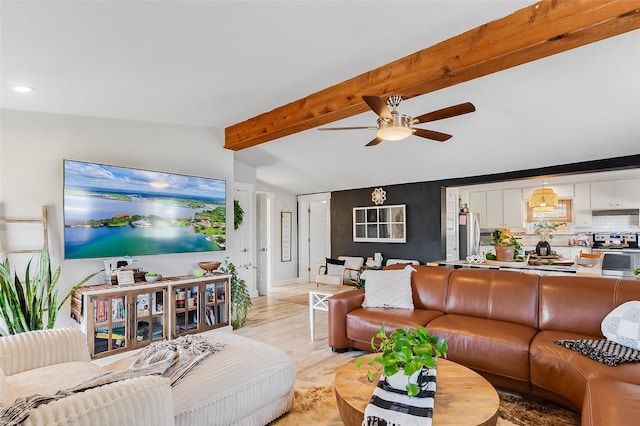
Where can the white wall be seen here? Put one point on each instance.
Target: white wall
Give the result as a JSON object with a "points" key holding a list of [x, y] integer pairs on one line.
{"points": [[33, 146]]}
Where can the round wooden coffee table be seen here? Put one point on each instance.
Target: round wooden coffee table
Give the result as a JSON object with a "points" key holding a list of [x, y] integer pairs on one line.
{"points": [[463, 397]]}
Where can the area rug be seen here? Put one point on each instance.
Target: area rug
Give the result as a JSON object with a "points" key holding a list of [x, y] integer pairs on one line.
{"points": [[317, 406]]}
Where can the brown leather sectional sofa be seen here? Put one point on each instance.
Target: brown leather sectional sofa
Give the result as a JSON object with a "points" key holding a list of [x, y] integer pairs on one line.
{"points": [[503, 325]]}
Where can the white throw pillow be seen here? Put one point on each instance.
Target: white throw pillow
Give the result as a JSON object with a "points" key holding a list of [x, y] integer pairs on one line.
{"points": [[622, 325], [3, 390], [388, 289], [334, 269]]}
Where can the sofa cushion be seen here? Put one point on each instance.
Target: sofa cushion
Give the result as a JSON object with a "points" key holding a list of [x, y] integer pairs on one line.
{"points": [[388, 289], [486, 345], [364, 323], [566, 372], [609, 402], [597, 297], [235, 385], [622, 325], [508, 296], [48, 380]]}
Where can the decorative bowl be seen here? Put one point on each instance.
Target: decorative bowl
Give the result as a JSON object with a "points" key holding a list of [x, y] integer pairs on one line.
{"points": [[209, 266], [152, 278]]}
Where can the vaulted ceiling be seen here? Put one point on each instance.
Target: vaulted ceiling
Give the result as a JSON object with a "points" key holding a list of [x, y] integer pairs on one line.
{"points": [[219, 63]]}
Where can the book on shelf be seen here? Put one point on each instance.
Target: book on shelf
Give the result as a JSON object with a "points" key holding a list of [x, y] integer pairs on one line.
{"points": [[209, 316]]}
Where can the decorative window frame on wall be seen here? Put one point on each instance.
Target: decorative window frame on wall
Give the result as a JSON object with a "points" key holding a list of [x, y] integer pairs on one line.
{"points": [[380, 224]]}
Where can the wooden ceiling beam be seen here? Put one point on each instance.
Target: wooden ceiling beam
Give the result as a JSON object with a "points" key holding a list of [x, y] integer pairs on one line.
{"points": [[540, 30]]}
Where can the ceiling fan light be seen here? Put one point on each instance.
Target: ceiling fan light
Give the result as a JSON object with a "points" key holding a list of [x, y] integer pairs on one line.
{"points": [[394, 133], [397, 129], [543, 200]]}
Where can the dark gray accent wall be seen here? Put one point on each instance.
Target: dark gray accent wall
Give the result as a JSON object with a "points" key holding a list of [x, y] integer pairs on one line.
{"points": [[425, 209], [423, 201]]}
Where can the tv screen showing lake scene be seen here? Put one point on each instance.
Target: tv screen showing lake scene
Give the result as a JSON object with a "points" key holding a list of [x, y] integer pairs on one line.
{"points": [[117, 211]]}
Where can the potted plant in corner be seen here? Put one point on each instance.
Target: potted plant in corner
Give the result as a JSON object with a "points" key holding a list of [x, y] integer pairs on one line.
{"points": [[506, 245], [240, 297], [405, 356]]}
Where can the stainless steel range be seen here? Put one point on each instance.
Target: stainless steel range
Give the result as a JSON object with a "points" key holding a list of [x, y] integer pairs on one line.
{"points": [[615, 241], [621, 253]]}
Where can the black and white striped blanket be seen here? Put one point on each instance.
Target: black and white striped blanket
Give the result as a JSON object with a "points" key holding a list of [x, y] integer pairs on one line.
{"points": [[602, 350], [393, 407]]}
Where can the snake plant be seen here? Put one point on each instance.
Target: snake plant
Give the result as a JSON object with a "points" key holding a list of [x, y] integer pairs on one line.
{"points": [[32, 304]]}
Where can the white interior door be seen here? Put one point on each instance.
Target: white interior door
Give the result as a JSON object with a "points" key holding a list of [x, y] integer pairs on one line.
{"points": [[244, 255], [263, 243], [314, 233]]}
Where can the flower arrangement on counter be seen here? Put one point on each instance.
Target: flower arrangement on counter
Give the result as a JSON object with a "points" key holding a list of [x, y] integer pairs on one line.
{"points": [[502, 238], [507, 247]]}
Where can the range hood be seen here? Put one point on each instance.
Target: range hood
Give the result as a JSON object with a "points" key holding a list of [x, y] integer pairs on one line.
{"points": [[616, 212]]}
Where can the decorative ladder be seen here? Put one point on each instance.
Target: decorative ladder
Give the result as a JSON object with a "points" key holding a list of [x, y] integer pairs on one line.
{"points": [[45, 232]]}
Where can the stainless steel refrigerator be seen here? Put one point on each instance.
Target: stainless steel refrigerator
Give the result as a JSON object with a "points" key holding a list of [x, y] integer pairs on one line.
{"points": [[468, 234]]}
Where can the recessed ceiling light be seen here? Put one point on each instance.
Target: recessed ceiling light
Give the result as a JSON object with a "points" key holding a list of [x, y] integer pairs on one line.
{"points": [[24, 89]]}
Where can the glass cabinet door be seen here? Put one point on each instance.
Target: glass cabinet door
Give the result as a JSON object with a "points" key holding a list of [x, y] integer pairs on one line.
{"points": [[215, 304], [186, 315], [149, 315], [110, 328]]}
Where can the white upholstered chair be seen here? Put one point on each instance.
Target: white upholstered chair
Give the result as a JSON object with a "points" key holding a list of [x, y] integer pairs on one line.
{"points": [[339, 274]]}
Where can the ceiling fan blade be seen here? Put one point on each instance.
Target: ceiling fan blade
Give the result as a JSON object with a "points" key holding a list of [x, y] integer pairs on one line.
{"points": [[375, 141], [432, 134], [448, 112], [348, 128], [379, 106]]}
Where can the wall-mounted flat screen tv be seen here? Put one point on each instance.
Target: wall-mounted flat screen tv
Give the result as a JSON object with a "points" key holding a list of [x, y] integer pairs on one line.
{"points": [[114, 211]]}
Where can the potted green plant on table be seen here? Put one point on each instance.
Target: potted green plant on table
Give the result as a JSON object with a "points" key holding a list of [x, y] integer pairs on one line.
{"points": [[404, 355], [506, 245], [32, 304], [240, 297]]}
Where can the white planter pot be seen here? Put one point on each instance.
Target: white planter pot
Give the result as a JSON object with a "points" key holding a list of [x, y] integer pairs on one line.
{"points": [[400, 381]]}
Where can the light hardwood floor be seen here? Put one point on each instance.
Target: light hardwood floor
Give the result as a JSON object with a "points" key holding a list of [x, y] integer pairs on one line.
{"points": [[276, 320]]}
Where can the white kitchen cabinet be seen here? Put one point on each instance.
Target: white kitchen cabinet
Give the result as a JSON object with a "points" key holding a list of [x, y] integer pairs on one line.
{"points": [[478, 204], [494, 209], [582, 204], [615, 194], [512, 208], [504, 209]]}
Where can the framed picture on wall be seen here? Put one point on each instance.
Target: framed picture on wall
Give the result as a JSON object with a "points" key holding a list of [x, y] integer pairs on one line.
{"points": [[285, 236]]}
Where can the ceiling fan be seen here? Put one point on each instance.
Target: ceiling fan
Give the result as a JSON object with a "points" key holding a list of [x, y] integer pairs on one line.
{"points": [[393, 126]]}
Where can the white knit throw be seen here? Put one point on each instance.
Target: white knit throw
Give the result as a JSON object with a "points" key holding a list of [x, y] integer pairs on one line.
{"points": [[167, 358]]}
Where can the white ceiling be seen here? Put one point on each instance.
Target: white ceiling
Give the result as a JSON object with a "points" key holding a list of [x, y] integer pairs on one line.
{"points": [[216, 63]]}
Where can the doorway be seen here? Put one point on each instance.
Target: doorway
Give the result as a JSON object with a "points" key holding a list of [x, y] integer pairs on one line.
{"points": [[264, 255], [314, 219], [243, 247]]}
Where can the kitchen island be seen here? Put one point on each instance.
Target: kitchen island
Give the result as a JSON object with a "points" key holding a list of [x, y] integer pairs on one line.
{"points": [[521, 266]]}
